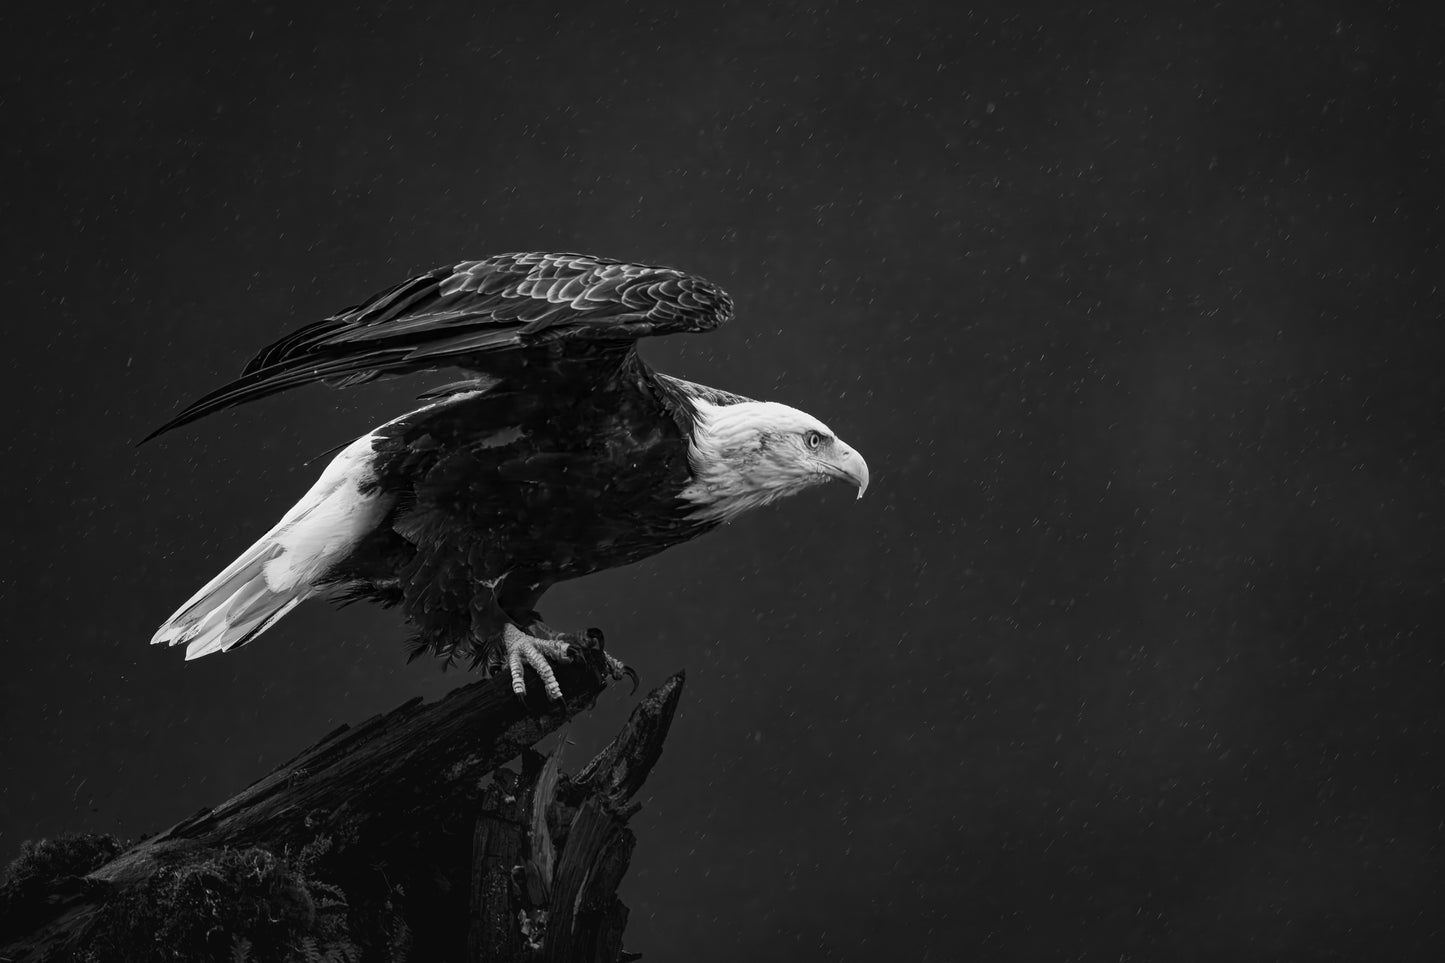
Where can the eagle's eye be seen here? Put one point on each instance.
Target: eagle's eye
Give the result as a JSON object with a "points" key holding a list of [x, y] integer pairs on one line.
{"points": [[813, 439]]}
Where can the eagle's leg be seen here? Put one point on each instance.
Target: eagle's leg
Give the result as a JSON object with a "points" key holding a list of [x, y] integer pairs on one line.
{"points": [[523, 650], [520, 647]]}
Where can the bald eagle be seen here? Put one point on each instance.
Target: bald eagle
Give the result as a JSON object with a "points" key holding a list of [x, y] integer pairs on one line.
{"points": [[561, 454]]}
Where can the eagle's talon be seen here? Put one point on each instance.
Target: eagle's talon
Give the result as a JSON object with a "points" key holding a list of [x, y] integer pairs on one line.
{"points": [[616, 669], [523, 649]]}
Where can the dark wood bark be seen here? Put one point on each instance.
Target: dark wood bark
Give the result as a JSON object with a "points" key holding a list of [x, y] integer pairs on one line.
{"points": [[373, 780], [440, 851]]}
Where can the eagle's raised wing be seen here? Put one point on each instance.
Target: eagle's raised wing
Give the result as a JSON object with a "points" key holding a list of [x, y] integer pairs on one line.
{"points": [[474, 314]]}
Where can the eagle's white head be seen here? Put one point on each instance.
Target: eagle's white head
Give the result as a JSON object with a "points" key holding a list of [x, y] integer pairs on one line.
{"points": [[748, 454]]}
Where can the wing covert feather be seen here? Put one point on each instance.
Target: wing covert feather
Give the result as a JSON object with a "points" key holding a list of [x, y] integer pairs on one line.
{"points": [[472, 313]]}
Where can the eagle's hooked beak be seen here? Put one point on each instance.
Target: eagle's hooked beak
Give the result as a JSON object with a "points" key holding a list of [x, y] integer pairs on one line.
{"points": [[847, 464]]}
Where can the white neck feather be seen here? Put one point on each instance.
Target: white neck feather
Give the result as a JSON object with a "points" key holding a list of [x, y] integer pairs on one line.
{"points": [[723, 456]]}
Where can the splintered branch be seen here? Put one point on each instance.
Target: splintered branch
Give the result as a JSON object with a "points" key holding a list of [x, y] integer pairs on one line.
{"points": [[401, 837]]}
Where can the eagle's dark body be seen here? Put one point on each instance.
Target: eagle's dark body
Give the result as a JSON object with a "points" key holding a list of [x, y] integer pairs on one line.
{"points": [[494, 487], [562, 453]]}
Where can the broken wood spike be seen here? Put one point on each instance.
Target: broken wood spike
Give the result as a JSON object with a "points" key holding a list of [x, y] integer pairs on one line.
{"points": [[620, 769], [544, 853]]}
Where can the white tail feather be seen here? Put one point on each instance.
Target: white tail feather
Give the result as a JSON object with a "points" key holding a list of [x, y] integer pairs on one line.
{"points": [[287, 565]]}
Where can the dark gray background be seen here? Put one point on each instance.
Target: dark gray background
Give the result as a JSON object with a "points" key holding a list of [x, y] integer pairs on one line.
{"points": [[1132, 651]]}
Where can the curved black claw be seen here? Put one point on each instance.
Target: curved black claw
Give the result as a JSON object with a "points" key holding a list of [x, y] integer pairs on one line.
{"points": [[616, 669]]}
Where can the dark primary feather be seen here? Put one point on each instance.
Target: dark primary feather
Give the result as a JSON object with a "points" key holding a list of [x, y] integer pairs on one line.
{"points": [[497, 316]]}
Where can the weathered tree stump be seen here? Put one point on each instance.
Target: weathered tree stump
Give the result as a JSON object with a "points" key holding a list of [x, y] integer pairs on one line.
{"points": [[404, 837], [575, 836]]}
